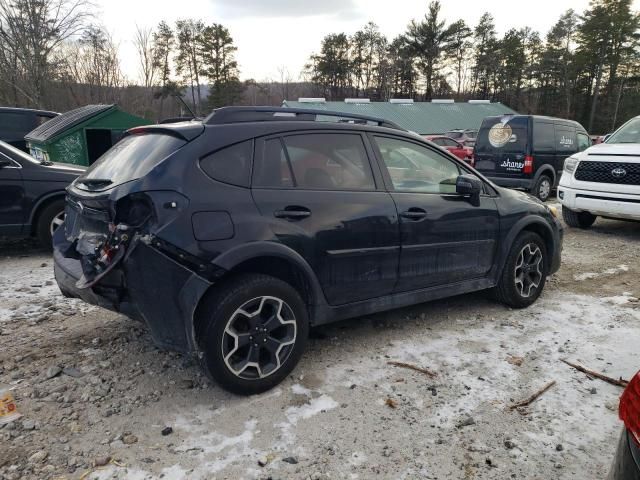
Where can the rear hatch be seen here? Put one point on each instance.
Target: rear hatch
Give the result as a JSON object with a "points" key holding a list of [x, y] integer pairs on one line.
{"points": [[501, 146], [98, 228]]}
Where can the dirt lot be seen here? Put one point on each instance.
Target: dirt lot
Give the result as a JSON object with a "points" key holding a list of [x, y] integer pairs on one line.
{"points": [[93, 389]]}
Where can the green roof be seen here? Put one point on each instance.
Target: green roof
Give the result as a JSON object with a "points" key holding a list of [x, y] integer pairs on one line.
{"points": [[421, 117]]}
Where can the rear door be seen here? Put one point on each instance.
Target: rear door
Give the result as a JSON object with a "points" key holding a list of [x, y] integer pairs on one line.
{"points": [[324, 200], [545, 144], [501, 146], [12, 197], [444, 237]]}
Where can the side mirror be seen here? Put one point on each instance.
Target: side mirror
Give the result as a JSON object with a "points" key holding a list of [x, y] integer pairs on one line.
{"points": [[469, 186]]}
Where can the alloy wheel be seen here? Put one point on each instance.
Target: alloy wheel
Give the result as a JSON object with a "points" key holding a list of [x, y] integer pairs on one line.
{"points": [[528, 271], [259, 337], [56, 222]]}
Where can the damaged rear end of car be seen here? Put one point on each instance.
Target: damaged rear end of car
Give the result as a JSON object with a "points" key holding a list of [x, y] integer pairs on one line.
{"points": [[112, 252]]}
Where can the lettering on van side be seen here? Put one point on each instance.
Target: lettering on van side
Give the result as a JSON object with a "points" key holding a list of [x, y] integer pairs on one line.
{"points": [[566, 141], [512, 166]]}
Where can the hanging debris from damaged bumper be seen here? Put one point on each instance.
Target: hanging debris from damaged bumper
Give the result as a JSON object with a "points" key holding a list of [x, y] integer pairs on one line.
{"points": [[98, 256]]}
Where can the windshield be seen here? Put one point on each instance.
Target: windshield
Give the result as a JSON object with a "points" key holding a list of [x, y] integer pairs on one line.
{"points": [[628, 133], [506, 134], [129, 159]]}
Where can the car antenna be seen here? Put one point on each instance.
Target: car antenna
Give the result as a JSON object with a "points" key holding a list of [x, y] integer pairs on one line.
{"points": [[181, 100]]}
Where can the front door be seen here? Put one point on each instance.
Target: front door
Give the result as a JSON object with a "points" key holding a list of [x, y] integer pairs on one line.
{"points": [[445, 238], [11, 197], [323, 199]]}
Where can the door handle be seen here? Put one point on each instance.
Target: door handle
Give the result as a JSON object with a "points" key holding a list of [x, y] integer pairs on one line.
{"points": [[414, 214], [293, 213]]}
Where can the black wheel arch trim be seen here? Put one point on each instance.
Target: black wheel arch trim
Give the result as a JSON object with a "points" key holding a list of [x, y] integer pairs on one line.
{"points": [[42, 201], [520, 226], [549, 171], [260, 249]]}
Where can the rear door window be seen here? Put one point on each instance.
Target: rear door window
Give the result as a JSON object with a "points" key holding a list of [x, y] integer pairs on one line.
{"points": [[544, 137], [131, 158], [329, 161], [273, 170]]}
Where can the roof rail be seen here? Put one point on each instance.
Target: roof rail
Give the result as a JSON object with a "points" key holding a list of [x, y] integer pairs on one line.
{"points": [[226, 115]]}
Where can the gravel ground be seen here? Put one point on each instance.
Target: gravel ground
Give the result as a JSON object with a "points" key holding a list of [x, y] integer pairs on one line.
{"points": [[97, 396]]}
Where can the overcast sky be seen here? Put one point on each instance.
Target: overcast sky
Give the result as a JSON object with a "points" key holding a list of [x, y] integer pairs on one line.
{"points": [[273, 33]]}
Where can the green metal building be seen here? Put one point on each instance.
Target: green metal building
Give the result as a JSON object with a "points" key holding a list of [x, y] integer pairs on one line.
{"points": [[80, 136], [426, 118]]}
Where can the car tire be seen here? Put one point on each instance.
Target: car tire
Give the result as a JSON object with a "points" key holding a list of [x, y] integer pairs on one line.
{"points": [[578, 219], [525, 272], [50, 218], [243, 311], [542, 188]]}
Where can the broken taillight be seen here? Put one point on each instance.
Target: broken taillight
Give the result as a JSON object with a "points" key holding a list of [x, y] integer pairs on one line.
{"points": [[630, 408], [528, 164]]}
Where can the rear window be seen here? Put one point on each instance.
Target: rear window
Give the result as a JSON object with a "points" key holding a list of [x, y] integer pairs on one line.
{"points": [[16, 123], [503, 135], [129, 159]]}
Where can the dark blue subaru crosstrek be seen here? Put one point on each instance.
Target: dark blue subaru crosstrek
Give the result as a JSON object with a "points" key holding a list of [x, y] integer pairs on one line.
{"points": [[231, 236]]}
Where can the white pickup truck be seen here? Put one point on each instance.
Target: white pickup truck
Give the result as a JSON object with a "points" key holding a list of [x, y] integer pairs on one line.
{"points": [[603, 180]]}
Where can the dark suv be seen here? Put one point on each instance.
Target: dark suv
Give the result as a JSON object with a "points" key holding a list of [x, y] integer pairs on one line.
{"points": [[32, 194], [232, 235], [15, 123], [527, 151]]}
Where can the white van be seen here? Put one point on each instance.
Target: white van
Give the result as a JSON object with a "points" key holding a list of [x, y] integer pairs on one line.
{"points": [[603, 180]]}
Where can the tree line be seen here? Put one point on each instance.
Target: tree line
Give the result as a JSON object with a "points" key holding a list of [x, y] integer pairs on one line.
{"points": [[55, 55], [587, 67]]}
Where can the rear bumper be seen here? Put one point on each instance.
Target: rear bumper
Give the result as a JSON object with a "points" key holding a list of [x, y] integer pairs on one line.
{"points": [[147, 286], [626, 464], [511, 182], [605, 204]]}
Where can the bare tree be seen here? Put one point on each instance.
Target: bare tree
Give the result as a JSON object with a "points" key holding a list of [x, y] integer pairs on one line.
{"points": [[148, 68], [30, 32], [94, 68]]}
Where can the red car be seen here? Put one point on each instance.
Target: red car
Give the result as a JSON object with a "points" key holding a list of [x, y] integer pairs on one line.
{"points": [[626, 465], [453, 146]]}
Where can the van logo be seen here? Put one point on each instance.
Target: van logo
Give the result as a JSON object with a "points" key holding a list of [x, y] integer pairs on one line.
{"points": [[619, 172]]}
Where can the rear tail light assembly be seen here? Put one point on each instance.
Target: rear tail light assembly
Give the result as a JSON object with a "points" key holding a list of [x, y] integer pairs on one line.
{"points": [[630, 408], [528, 164]]}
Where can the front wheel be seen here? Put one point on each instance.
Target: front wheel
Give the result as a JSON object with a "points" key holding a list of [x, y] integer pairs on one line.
{"points": [[525, 272], [577, 219], [253, 333]]}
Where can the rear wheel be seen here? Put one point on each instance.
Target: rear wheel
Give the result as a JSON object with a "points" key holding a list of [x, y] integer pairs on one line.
{"points": [[578, 219], [48, 221], [542, 188], [253, 332], [525, 272]]}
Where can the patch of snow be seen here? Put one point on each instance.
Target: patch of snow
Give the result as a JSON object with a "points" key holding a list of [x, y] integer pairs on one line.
{"points": [[314, 407], [608, 272]]}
